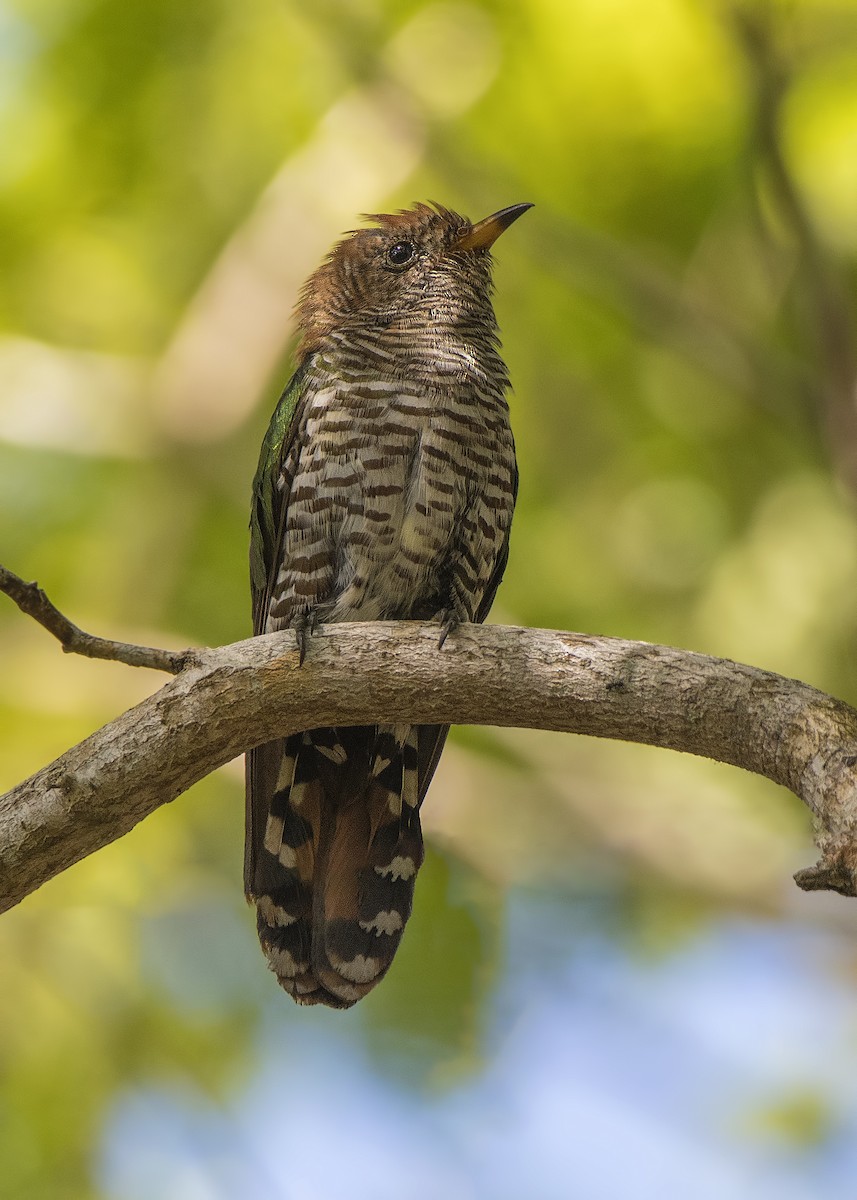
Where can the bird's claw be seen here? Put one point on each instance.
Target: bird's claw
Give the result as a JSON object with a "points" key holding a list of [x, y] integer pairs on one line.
{"points": [[449, 622], [304, 626]]}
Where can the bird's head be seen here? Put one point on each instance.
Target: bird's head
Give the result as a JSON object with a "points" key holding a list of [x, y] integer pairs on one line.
{"points": [[417, 266]]}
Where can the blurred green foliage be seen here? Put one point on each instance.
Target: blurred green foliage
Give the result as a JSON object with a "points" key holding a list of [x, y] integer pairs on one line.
{"points": [[677, 314]]}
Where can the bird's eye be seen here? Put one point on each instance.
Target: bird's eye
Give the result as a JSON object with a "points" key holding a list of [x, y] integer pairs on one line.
{"points": [[400, 254]]}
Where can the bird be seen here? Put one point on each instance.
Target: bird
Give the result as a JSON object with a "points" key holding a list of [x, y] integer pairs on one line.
{"points": [[385, 490]]}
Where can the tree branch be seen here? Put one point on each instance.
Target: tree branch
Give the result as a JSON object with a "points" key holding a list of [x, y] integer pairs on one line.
{"points": [[230, 699], [32, 600]]}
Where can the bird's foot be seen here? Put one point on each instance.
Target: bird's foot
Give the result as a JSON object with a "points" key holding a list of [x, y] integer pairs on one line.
{"points": [[304, 625], [450, 619]]}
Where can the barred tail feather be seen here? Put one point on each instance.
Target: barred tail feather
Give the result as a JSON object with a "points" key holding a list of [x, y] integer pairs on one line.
{"points": [[341, 849], [375, 853], [285, 868]]}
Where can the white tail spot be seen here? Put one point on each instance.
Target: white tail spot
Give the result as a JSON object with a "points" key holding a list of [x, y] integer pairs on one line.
{"points": [[399, 867], [298, 794], [410, 789], [336, 753], [360, 970], [385, 922], [272, 914], [286, 774], [345, 991], [305, 987], [283, 963], [273, 834]]}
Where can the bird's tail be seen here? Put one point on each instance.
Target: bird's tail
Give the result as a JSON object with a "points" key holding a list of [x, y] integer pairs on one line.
{"points": [[333, 870]]}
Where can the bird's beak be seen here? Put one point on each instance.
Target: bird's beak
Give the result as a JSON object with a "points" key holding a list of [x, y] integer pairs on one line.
{"points": [[484, 234]]}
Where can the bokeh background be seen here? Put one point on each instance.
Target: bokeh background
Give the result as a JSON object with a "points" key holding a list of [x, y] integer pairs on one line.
{"points": [[610, 986]]}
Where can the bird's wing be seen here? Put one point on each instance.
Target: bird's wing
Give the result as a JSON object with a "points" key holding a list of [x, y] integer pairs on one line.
{"points": [[270, 503], [271, 497]]}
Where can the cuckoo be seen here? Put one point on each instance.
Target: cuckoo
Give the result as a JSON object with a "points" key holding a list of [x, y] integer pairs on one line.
{"points": [[385, 491]]}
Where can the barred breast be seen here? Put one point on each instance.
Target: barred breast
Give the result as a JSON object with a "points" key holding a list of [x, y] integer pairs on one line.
{"points": [[400, 500]]}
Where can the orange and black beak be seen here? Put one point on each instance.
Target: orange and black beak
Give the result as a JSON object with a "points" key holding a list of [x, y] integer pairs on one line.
{"points": [[484, 234]]}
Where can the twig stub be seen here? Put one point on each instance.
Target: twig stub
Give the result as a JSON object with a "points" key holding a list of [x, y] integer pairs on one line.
{"points": [[33, 601]]}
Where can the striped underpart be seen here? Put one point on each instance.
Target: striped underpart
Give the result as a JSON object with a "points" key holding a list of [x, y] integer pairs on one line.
{"points": [[398, 488], [394, 502]]}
